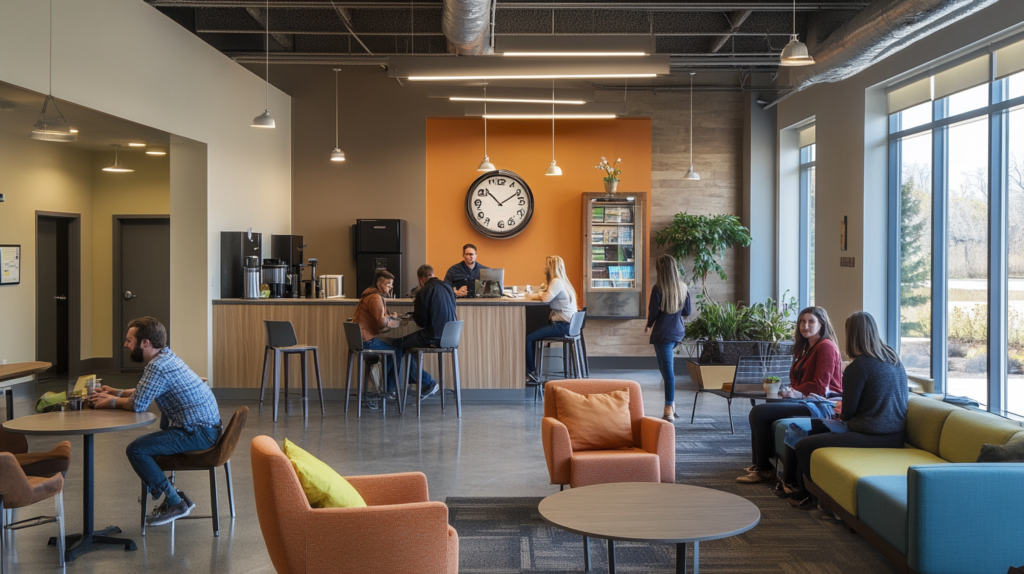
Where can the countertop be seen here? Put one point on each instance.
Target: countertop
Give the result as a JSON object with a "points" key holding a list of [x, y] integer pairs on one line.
{"points": [[346, 301]]}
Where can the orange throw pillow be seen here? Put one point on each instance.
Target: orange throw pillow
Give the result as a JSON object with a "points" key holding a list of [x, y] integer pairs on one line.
{"points": [[596, 422]]}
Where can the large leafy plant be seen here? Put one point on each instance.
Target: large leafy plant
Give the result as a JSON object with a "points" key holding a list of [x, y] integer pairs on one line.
{"points": [[771, 321], [705, 238]]}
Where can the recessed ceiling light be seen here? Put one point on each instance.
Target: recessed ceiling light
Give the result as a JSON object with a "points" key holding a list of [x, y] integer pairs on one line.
{"points": [[155, 152], [136, 144], [73, 130], [518, 101]]}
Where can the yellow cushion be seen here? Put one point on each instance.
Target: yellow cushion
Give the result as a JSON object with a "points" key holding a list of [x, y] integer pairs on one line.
{"points": [[837, 470], [965, 432], [925, 418], [323, 487], [595, 422]]}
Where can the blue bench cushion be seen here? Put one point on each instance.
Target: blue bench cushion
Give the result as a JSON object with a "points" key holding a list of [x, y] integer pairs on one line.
{"points": [[882, 505], [779, 428]]}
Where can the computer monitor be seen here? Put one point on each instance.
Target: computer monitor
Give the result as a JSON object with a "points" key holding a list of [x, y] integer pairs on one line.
{"points": [[494, 275]]}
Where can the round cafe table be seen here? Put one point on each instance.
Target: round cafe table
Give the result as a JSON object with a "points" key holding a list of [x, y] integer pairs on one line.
{"points": [[86, 422], [650, 512]]}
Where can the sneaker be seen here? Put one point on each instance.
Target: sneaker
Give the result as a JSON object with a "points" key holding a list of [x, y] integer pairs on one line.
{"points": [[168, 513], [532, 380], [808, 503], [756, 477], [188, 501], [431, 390]]}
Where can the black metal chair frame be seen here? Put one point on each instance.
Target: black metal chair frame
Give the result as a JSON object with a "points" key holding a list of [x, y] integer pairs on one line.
{"points": [[354, 338], [281, 342], [573, 361], [450, 336], [747, 381]]}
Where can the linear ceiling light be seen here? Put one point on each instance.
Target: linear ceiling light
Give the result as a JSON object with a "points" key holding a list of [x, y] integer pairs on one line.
{"points": [[575, 46], [155, 152], [509, 111], [549, 116], [136, 144], [518, 101], [525, 77], [470, 68]]}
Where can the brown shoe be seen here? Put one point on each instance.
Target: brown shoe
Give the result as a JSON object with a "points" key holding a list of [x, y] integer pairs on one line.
{"points": [[756, 477]]}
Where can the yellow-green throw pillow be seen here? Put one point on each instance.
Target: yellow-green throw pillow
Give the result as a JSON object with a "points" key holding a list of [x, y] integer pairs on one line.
{"points": [[323, 487]]}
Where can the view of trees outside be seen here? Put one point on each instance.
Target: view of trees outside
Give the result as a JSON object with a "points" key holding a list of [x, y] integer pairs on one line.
{"points": [[916, 254], [1015, 237]]}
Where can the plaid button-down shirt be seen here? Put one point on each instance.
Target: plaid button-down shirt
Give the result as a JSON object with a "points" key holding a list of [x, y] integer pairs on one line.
{"points": [[182, 396]]}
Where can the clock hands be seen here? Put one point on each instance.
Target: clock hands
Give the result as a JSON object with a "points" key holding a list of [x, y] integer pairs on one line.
{"points": [[508, 198], [495, 198]]}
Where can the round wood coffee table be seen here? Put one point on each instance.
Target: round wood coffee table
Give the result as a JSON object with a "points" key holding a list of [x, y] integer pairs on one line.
{"points": [[86, 423], [650, 512]]}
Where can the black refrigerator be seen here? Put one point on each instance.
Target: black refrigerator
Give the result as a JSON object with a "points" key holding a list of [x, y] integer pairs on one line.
{"points": [[379, 244]]}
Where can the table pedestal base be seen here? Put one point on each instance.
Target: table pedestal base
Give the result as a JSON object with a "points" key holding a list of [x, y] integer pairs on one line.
{"points": [[680, 556], [78, 544]]}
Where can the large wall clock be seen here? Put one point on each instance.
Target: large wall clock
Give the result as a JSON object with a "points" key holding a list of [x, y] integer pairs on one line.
{"points": [[499, 204]]}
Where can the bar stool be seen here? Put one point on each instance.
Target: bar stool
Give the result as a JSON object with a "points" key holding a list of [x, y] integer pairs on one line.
{"points": [[355, 347], [572, 355], [583, 347], [450, 336], [282, 342]]}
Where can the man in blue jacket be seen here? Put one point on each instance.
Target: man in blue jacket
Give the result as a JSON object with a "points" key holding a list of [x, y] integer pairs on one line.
{"points": [[433, 307]]}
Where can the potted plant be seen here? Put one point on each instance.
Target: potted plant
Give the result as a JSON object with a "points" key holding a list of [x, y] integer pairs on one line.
{"points": [[705, 239], [771, 386], [612, 171]]}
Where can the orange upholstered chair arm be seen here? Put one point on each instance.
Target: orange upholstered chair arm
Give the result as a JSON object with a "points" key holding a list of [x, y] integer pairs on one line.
{"points": [[557, 449], [381, 489], [658, 437], [412, 538]]}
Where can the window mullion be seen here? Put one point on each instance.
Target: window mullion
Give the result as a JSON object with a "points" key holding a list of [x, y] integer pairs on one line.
{"points": [[998, 259], [805, 264], [940, 248], [895, 279]]}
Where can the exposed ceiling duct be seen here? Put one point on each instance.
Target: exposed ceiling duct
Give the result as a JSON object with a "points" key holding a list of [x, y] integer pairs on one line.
{"points": [[466, 24], [878, 31]]}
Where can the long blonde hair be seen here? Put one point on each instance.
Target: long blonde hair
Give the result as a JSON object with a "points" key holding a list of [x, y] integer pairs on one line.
{"points": [[554, 268], [673, 288]]}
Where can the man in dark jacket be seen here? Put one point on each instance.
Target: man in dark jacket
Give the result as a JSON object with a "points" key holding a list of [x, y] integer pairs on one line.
{"points": [[433, 307]]}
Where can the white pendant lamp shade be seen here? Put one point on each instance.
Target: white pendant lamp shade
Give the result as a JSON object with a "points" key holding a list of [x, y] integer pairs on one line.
{"points": [[117, 166], [553, 169], [264, 120], [795, 53], [52, 128], [336, 155], [691, 175], [486, 165]]}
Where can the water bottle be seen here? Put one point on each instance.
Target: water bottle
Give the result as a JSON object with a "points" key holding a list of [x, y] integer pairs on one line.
{"points": [[91, 386]]}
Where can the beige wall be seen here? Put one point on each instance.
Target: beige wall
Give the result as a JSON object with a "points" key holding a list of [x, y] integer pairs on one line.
{"points": [[852, 166], [145, 191], [124, 58], [40, 176]]}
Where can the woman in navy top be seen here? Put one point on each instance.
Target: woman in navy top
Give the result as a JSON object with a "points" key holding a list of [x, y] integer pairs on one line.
{"points": [[669, 303]]}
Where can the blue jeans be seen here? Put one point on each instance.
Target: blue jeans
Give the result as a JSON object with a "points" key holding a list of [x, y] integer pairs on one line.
{"points": [[378, 345], [552, 330], [142, 450], [666, 364], [417, 339]]}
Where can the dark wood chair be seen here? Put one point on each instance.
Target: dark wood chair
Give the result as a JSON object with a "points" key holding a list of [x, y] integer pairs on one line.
{"points": [[217, 455], [747, 382]]}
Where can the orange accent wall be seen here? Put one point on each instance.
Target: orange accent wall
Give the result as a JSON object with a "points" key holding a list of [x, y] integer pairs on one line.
{"points": [[455, 147]]}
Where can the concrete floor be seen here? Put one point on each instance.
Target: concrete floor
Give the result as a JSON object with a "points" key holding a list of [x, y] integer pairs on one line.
{"points": [[493, 450]]}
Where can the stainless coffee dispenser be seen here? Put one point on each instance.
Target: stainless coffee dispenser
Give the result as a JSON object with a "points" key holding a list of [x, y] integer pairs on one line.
{"points": [[252, 277], [274, 272]]}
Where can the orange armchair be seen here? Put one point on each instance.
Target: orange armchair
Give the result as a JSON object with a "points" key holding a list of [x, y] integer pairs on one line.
{"points": [[400, 529], [652, 459]]}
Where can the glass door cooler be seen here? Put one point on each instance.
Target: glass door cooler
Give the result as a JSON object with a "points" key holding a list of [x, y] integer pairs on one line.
{"points": [[614, 255]]}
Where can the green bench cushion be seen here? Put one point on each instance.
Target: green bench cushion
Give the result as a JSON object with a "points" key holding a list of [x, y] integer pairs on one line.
{"points": [[837, 470], [965, 432]]}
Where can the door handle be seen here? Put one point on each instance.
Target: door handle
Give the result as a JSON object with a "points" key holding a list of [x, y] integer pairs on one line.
{"points": [[61, 298], [128, 295]]}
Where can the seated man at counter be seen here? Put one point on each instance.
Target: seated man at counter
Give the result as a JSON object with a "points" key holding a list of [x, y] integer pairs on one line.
{"points": [[372, 316], [190, 421], [464, 274], [433, 307]]}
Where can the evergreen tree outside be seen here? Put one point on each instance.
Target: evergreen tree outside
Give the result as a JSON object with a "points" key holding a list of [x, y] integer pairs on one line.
{"points": [[915, 266]]}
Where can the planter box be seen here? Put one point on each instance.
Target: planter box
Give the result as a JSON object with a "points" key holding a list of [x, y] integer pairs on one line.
{"points": [[710, 376], [729, 352]]}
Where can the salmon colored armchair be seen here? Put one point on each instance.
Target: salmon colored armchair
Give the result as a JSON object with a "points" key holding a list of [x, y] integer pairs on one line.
{"points": [[652, 459], [400, 529]]}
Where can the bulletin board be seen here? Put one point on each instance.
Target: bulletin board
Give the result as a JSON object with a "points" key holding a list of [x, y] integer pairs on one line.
{"points": [[10, 264]]}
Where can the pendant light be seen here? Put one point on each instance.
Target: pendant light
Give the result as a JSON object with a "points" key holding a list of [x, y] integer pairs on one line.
{"points": [[553, 169], [264, 120], [117, 167], [485, 165], [53, 128], [795, 53], [337, 154], [691, 175]]}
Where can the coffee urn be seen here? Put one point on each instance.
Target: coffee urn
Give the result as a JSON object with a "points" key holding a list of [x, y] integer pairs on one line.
{"points": [[252, 277], [274, 275]]}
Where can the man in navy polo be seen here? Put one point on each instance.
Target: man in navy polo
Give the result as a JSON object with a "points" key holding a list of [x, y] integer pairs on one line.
{"points": [[464, 274]]}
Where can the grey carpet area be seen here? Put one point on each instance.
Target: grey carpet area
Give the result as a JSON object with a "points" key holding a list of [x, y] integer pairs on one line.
{"points": [[498, 535]]}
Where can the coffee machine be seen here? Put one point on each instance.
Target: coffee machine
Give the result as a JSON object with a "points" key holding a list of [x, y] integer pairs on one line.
{"points": [[274, 271], [289, 248]]}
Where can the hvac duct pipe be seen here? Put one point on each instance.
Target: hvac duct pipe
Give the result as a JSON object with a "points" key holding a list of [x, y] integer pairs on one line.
{"points": [[466, 24]]}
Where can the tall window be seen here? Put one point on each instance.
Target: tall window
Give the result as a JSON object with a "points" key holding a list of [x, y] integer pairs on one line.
{"points": [[808, 156], [957, 192]]}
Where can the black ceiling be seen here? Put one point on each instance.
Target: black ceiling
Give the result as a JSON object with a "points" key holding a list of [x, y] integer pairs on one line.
{"points": [[323, 31]]}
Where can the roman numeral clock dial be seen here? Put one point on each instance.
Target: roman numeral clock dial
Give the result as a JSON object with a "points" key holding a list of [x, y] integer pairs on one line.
{"points": [[499, 204]]}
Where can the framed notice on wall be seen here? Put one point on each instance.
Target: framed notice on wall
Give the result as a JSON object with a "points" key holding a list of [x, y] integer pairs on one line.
{"points": [[10, 264]]}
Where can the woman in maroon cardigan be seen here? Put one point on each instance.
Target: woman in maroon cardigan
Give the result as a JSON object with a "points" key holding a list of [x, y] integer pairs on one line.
{"points": [[817, 368]]}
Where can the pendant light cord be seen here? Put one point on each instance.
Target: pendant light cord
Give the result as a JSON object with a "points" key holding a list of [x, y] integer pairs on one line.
{"points": [[552, 120], [267, 46], [51, 47], [794, 17], [485, 120], [691, 121], [336, 109]]}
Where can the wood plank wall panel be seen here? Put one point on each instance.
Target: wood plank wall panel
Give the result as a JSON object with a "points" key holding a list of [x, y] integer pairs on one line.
{"points": [[717, 157], [491, 353]]}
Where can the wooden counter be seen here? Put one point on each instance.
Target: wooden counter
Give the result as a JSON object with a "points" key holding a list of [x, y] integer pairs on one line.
{"points": [[492, 353]]}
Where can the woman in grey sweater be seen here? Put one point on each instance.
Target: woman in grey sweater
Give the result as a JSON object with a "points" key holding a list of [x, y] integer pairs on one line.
{"points": [[874, 405]]}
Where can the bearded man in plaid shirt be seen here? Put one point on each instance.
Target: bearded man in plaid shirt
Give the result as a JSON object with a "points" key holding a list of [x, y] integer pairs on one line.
{"points": [[190, 418]]}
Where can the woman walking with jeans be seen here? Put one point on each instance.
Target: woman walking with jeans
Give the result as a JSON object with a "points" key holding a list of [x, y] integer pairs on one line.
{"points": [[669, 303]]}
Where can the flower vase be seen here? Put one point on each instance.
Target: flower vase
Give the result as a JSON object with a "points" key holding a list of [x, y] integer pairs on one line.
{"points": [[609, 186]]}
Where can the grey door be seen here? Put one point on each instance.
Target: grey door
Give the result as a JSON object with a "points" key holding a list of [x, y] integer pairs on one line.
{"points": [[143, 277], [53, 293]]}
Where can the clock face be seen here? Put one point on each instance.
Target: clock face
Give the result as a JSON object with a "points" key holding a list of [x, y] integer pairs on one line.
{"points": [[499, 204]]}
